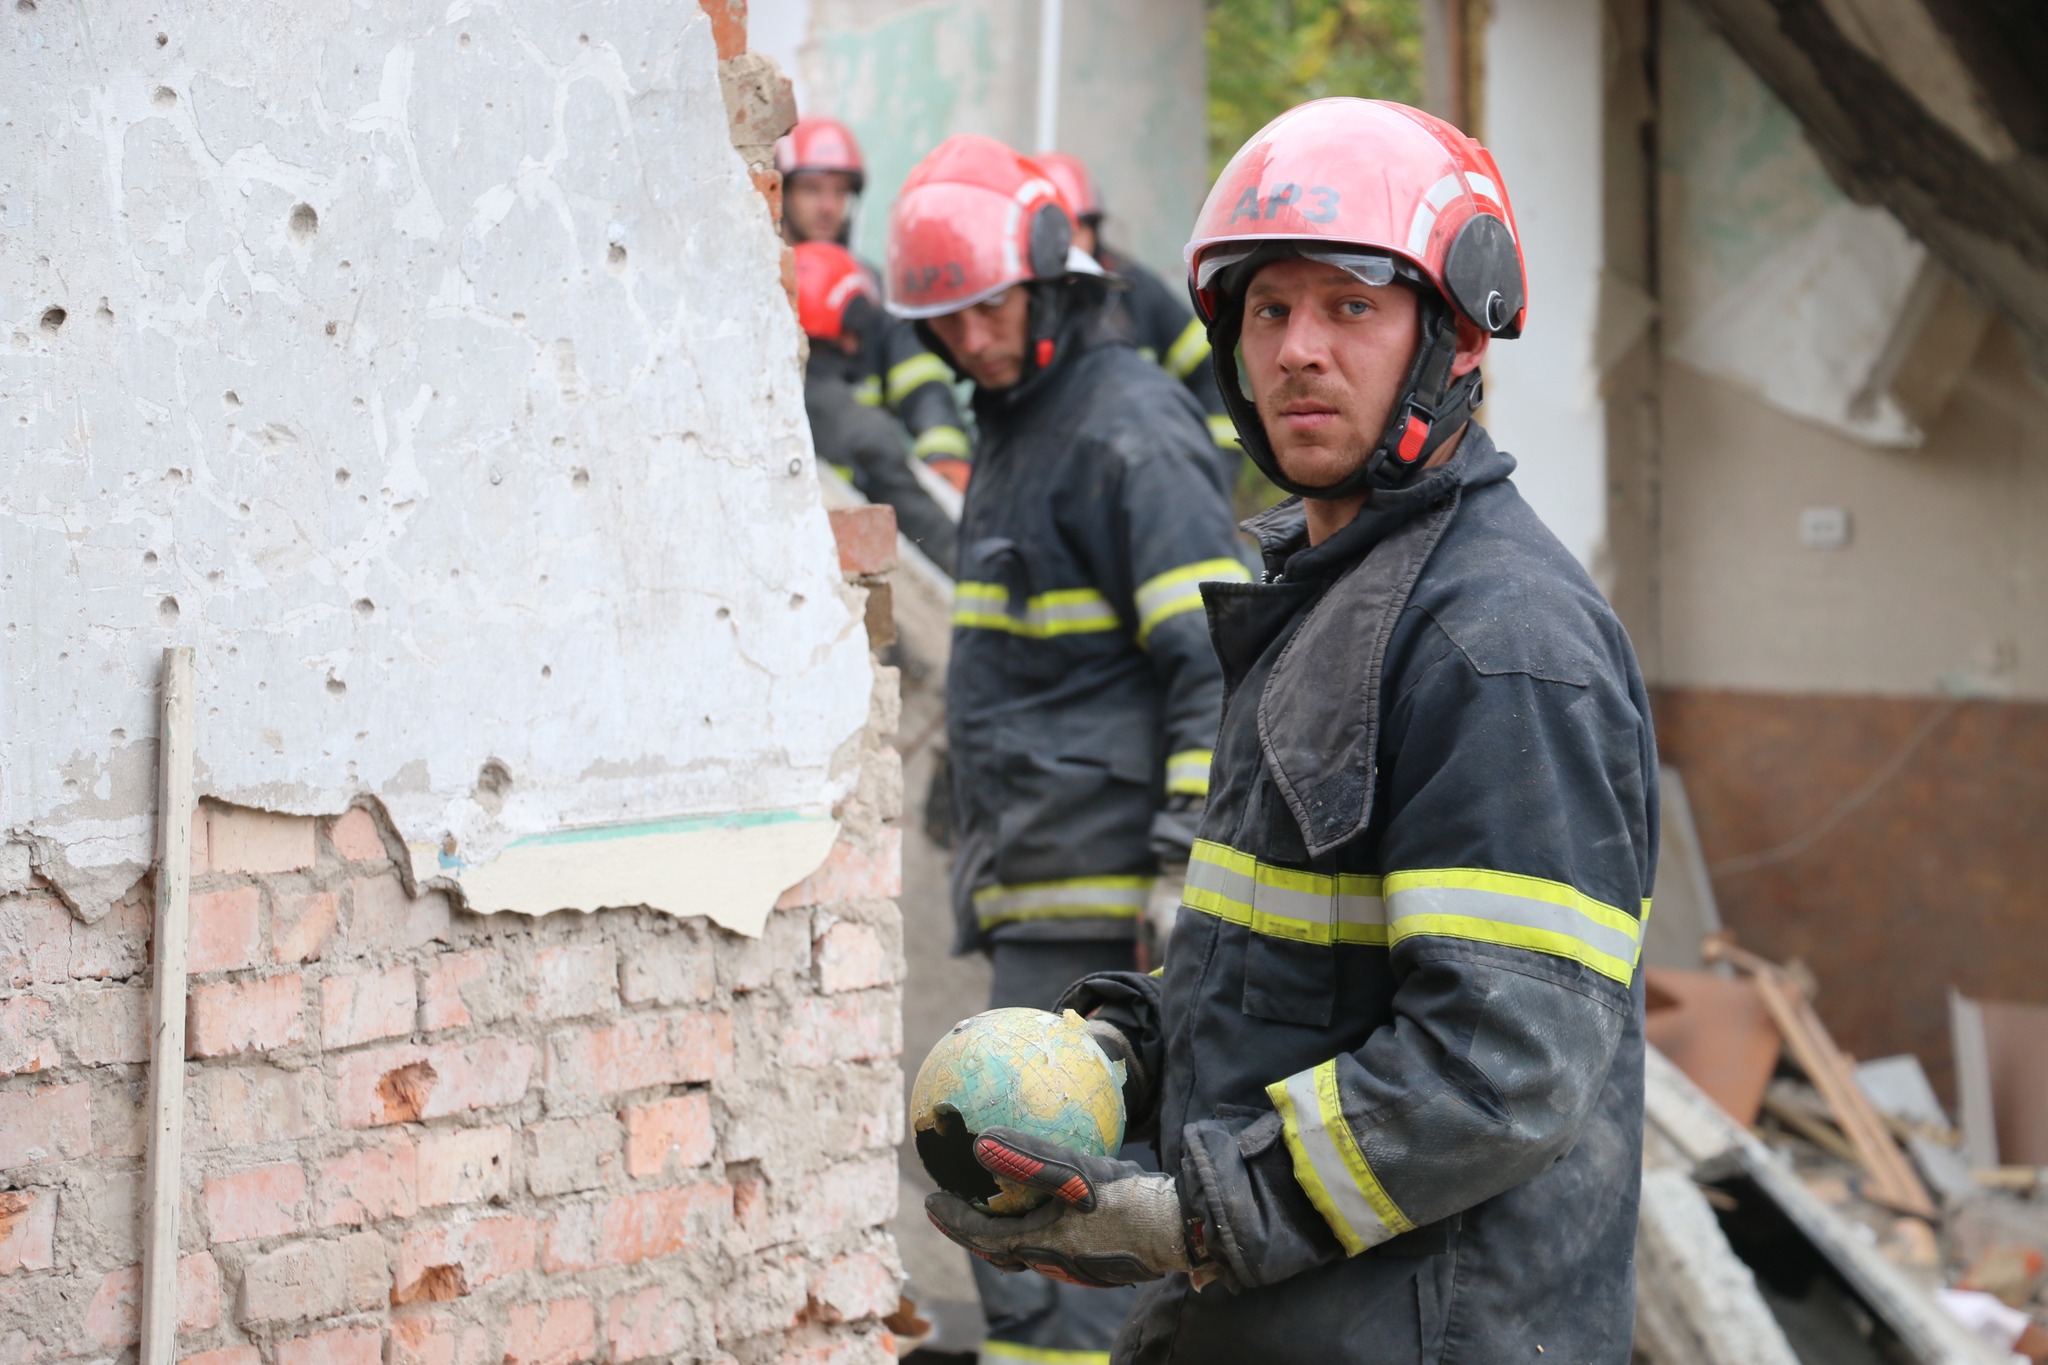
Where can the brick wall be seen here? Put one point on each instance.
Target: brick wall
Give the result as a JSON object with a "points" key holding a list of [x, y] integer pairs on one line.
{"points": [[416, 1136]]}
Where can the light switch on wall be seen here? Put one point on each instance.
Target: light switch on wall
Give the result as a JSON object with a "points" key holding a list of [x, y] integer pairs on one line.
{"points": [[1824, 528]]}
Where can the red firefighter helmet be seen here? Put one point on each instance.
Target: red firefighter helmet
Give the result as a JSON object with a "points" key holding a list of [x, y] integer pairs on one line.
{"points": [[828, 278], [820, 144], [1384, 192], [1075, 185], [974, 218], [1377, 176]]}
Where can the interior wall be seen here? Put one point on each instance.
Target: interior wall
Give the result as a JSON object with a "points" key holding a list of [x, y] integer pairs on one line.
{"points": [[906, 74]]}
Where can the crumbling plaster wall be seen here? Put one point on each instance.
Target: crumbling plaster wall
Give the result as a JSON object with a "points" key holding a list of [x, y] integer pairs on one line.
{"points": [[426, 370]]}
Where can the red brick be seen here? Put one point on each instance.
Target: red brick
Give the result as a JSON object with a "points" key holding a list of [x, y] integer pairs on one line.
{"points": [[674, 969], [852, 957], [440, 1339], [465, 1166], [316, 1278], [574, 979], [636, 1227], [365, 1006], [641, 1052], [25, 1043], [114, 1317], [116, 946], [855, 1286], [35, 940], [383, 919], [227, 1355], [770, 1298], [442, 994], [50, 1123], [355, 837], [852, 872], [226, 931], [238, 1106], [361, 1345], [678, 1127], [229, 1017], [448, 1260], [302, 925], [367, 1186], [266, 1201], [728, 25], [824, 1030], [840, 1198], [558, 1332], [242, 840], [866, 537], [566, 1155], [28, 1226], [109, 1027], [405, 1084], [653, 1322]]}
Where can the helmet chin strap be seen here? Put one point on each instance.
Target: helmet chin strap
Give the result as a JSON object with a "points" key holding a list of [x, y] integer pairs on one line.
{"points": [[1433, 404]]}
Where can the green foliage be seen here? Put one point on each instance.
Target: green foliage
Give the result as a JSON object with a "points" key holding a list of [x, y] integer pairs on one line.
{"points": [[1266, 56]]}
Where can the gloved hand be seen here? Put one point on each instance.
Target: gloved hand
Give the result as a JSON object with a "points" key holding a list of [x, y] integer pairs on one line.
{"points": [[1108, 1222]]}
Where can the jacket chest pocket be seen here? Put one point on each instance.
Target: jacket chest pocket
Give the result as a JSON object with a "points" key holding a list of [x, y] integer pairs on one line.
{"points": [[1290, 962]]}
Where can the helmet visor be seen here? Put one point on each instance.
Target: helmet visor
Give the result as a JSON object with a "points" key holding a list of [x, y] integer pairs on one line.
{"points": [[1214, 270]]}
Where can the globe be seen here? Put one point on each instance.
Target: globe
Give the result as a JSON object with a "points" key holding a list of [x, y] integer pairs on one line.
{"points": [[1031, 1070]]}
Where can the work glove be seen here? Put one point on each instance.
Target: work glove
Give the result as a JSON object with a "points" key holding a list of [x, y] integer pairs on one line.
{"points": [[1108, 1222]]}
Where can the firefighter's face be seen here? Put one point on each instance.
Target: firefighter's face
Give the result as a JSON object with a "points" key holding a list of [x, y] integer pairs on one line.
{"points": [[988, 339], [1327, 357], [815, 205]]}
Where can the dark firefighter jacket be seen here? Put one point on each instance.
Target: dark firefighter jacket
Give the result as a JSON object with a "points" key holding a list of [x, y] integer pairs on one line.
{"points": [[1160, 324], [1082, 690], [1398, 1037], [867, 447], [901, 375]]}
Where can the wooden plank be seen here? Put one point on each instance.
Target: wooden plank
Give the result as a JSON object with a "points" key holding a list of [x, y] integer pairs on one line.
{"points": [[1892, 1180], [1695, 1124], [167, 1012]]}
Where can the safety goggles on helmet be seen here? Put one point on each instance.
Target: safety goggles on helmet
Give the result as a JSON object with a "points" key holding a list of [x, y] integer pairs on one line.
{"points": [[1217, 271]]}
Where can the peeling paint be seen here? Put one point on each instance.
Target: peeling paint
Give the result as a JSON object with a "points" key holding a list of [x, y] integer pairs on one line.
{"points": [[433, 379]]}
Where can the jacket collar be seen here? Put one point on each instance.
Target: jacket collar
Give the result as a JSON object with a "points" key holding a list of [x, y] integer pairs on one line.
{"points": [[1282, 530]]}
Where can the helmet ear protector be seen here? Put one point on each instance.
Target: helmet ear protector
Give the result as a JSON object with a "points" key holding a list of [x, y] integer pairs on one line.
{"points": [[1052, 232], [1482, 274]]}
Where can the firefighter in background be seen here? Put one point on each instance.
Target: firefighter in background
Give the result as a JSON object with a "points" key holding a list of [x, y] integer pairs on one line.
{"points": [[838, 309], [1395, 1060], [1155, 318], [1082, 693], [822, 175]]}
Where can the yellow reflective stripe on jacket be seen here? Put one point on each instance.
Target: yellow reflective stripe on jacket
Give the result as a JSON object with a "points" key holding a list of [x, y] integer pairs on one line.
{"points": [[1068, 898], [995, 1352], [940, 443], [1187, 772], [1070, 611], [1516, 912], [908, 376], [1222, 430], [1167, 595], [1189, 349], [1328, 1165], [1469, 903], [1283, 902], [868, 393]]}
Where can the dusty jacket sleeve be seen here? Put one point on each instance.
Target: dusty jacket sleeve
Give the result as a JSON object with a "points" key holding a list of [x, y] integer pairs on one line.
{"points": [[918, 388], [1175, 534], [1516, 868]]}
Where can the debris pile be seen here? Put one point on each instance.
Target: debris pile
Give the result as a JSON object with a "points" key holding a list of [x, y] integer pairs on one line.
{"points": [[1800, 1208]]}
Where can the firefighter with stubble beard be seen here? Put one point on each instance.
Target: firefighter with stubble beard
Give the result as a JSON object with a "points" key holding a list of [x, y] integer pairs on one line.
{"points": [[1082, 694], [1395, 1060]]}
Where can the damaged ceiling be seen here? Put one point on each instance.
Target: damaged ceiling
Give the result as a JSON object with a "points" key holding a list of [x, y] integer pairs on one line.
{"points": [[1935, 110]]}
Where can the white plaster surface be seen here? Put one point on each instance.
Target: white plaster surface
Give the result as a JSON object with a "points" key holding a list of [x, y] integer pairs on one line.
{"points": [[427, 370], [1543, 403]]}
